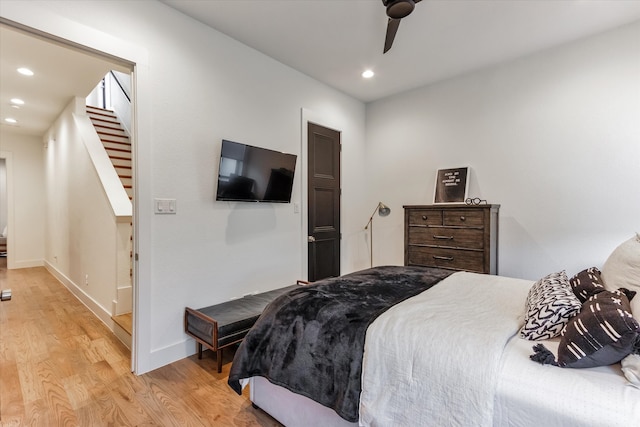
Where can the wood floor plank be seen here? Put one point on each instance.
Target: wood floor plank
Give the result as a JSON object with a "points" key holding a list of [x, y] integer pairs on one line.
{"points": [[60, 366], [55, 395], [12, 403]]}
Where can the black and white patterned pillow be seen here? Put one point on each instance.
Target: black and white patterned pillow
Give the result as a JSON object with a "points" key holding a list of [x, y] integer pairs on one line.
{"points": [[602, 334], [550, 305], [587, 283]]}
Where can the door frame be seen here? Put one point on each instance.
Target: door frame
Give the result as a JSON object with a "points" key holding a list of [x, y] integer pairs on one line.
{"points": [[309, 116], [59, 29], [8, 162]]}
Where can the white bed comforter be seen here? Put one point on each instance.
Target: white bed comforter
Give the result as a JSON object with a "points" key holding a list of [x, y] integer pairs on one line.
{"points": [[433, 360]]}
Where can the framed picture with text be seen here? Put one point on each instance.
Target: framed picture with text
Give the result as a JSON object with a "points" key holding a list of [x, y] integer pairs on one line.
{"points": [[452, 185]]}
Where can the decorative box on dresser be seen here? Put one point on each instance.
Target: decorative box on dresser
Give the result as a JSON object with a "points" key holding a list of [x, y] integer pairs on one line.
{"points": [[458, 237]]}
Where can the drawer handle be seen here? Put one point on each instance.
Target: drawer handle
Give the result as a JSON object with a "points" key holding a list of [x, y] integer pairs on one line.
{"points": [[435, 236], [424, 217], [463, 218], [444, 258]]}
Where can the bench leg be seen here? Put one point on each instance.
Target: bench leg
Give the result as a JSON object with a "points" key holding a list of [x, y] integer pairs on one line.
{"points": [[219, 359], [199, 349]]}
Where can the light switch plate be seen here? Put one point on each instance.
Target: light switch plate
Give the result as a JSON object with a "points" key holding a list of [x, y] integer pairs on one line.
{"points": [[164, 206]]}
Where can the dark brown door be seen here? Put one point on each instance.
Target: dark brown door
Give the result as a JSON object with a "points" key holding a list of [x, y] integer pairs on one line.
{"points": [[323, 202]]}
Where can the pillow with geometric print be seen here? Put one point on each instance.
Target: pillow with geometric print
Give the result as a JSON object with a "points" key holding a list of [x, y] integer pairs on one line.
{"points": [[550, 305]]}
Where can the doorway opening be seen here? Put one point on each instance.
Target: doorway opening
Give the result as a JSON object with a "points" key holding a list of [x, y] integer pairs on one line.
{"points": [[42, 47]]}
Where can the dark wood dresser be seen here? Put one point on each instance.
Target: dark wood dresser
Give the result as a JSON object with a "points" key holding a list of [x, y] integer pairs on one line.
{"points": [[458, 237]]}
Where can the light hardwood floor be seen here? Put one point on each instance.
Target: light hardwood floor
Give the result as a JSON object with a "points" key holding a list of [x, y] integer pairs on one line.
{"points": [[60, 366]]}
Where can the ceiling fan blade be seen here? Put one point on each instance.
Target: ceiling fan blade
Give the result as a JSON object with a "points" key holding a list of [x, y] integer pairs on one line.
{"points": [[392, 29]]}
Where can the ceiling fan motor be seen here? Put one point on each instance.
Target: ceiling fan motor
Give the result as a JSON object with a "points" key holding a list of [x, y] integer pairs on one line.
{"points": [[398, 9]]}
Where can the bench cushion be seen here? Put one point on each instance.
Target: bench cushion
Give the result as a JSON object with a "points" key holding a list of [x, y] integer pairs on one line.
{"points": [[234, 318]]}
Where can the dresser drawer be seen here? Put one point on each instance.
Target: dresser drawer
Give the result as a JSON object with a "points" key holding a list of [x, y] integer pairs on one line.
{"points": [[456, 259], [472, 238], [463, 218], [425, 217]]}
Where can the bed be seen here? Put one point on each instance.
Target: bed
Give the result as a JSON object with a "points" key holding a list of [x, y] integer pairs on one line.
{"points": [[450, 354]]}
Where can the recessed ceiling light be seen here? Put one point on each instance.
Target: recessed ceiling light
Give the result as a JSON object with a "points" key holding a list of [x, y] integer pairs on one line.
{"points": [[367, 74], [17, 101], [25, 71], [10, 120]]}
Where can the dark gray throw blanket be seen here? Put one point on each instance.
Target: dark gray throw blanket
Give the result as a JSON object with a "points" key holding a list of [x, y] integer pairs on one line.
{"points": [[311, 340]]}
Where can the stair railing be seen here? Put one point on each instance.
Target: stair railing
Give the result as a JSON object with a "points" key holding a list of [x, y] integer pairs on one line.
{"points": [[118, 97]]}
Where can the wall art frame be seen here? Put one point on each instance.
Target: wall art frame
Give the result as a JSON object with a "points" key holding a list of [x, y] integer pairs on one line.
{"points": [[452, 185]]}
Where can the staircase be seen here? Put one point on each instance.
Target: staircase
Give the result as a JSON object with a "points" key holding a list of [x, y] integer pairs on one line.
{"points": [[118, 147], [116, 142]]}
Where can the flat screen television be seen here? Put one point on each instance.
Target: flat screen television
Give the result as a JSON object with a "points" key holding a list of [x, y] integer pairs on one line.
{"points": [[254, 174]]}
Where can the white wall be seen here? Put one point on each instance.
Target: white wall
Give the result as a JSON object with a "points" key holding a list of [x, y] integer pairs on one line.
{"points": [[25, 215], [194, 87], [554, 138]]}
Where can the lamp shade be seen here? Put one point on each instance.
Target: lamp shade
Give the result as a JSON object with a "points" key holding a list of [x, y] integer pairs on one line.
{"points": [[383, 210]]}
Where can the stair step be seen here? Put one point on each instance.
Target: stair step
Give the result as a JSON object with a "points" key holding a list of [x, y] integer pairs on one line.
{"points": [[121, 163], [108, 139], [119, 156], [114, 126], [103, 117], [98, 109], [117, 152], [122, 146], [110, 133], [103, 114], [125, 321]]}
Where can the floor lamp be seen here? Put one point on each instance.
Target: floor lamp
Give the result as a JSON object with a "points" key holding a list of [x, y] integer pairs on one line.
{"points": [[383, 210]]}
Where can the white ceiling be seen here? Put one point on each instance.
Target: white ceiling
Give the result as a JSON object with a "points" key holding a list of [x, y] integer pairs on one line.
{"points": [[332, 41], [60, 73], [335, 40]]}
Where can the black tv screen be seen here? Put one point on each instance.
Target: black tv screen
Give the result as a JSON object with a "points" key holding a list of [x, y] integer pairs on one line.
{"points": [[253, 174]]}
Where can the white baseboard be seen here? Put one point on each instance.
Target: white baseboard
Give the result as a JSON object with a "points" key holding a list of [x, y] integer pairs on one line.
{"points": [[29, 263], [122, 335], [100, 312], [124, 301], [157, 358]]}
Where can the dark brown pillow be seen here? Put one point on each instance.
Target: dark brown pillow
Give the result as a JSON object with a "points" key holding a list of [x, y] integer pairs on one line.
{"points": [[587, 283], [603, 333]]}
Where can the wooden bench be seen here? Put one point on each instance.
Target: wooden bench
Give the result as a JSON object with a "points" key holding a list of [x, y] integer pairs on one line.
{"points": [[221, 325]]}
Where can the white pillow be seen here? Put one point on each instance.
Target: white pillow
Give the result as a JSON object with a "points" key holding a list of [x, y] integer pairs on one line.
{"points": [[4, 232], [622, 270], [631, 369]]}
